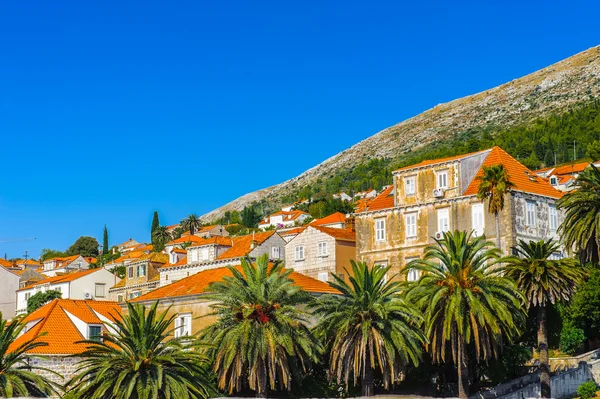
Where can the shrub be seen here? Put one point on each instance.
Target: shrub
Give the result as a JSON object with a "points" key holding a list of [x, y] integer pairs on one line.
{"points": [[587, 390], [571, 339]]}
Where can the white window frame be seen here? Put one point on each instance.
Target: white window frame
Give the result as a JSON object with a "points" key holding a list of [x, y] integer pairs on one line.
{"points": [[380, 229], [323, 276], [141, 268], [530, 213], [183, 325], [204, 254], [552, 217], [553, 181], [95, 326], [441, 175], [275, 253], [410, 185], [322, 249], [130, 272], [299, 252], [413, 275], [440, 213], [100, 285], [410, 222], [478, 219]]}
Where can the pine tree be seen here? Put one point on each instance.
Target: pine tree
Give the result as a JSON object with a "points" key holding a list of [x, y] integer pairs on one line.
{"points": [[105, 241], [155, 225]]}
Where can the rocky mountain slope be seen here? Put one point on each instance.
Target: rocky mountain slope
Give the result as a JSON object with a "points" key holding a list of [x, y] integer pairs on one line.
{"points": [[552, 89]]}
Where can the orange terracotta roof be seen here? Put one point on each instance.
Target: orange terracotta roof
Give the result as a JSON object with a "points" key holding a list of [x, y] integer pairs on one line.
{"points": [[154, 257], [241, 245], [570, 169], [338, 234], [198, 283], [179, 251], [60, 332], [128, 243], [28, 262], [214, 240], [337, 217], [291, 232], [181, 262], [523, 179], [63, 278], [362, 204], [207, 228], [384, 200], [429, 162], [186, 238], [120, 284], [5, 263]]}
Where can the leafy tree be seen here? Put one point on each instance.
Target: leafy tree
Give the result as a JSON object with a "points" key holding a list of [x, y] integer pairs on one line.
{"points": [[48, 253], [261, 337], [465, 300], [587, 390], [367, 327], [584, 310], [593, 150], [84, 246], [178, 232], [140, 359], [250, 217], [493, 186], [160, 238], [120, 271], [580, 228], [155, 225], [571, 340], [39, 299], [543, 281], [105, 241], [191, 223], [17, 375], [317, 210], [509, 364]]}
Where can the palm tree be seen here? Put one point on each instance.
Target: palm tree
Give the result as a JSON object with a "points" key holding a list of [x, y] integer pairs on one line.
{"points": [[465, 300], [139, 359], [493, 186], [261, 337], [369, 325], [191, 223], [543, 281], [580, 229], [17, 377], [160, 237]]}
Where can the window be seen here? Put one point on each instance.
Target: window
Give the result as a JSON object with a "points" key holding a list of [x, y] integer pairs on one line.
{"points": [[322, 248], [131, 272], [275, 253], [553, 217], [530, 217], [553, 181], [120, 298], [95, 333], [59, 289], [380, 230], [204, 254], [183, 325], [299, 252], [100, 289], [442, 179], [413, 275], [477, 219], [27, 296], [323, 276], [135, 294], [556, 256], [173, 257], [411, 224], [443, 220], [194, 255], [410, 185], [141, 270]]}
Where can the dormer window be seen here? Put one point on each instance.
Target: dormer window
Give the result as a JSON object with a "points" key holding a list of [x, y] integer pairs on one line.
{"points": [[95, 333], [173, 257], [553, 181], [442, 179]]}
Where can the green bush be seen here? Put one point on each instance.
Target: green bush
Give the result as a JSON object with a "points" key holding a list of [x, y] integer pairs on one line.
{"points": [[571, 339], [587, 390]]}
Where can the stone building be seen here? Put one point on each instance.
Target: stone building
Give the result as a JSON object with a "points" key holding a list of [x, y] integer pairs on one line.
{"points": [[141, 276], [185, 298], [214, 252], [9, 283], [319, 251], [54, 266], [64, 322], [440, 195]]}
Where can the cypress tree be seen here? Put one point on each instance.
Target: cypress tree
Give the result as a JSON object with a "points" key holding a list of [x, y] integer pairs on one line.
{"points": [[155, 225], [105, 241]]}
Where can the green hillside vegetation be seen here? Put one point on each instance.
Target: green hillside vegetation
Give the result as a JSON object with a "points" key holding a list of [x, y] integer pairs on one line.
{"points": [[536, 145]]}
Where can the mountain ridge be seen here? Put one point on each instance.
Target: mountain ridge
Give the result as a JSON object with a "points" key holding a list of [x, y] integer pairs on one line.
{"points": [[554, 88]]}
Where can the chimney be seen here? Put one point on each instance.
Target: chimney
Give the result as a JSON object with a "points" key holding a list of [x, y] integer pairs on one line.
{"points": [[351, 223], [253, 243]]}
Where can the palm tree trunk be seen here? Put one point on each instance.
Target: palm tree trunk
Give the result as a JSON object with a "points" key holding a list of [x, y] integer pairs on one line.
{"points": [[261, 383], [498, 243], [367, 378], [463, 370], [543, 351]]}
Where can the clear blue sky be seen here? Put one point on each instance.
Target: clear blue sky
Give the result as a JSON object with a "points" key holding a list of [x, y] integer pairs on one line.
{"points": [[112, 109]]}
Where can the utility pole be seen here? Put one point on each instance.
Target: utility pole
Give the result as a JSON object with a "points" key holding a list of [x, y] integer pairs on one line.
{"points": [[554, 158], [26, 255], [574, 153]]}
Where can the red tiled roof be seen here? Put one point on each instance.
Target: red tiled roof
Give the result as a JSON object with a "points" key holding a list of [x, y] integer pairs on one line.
{"points": [[63, 278], [241, 245], [337, 217], [60, 332], [338, 234], [28, 262], [523, 179], [570, 169], [181, 262], [198, 283], [291, 232], [179, 251], [186, 238], [5, 263], [384, 200], [214, 240]]}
